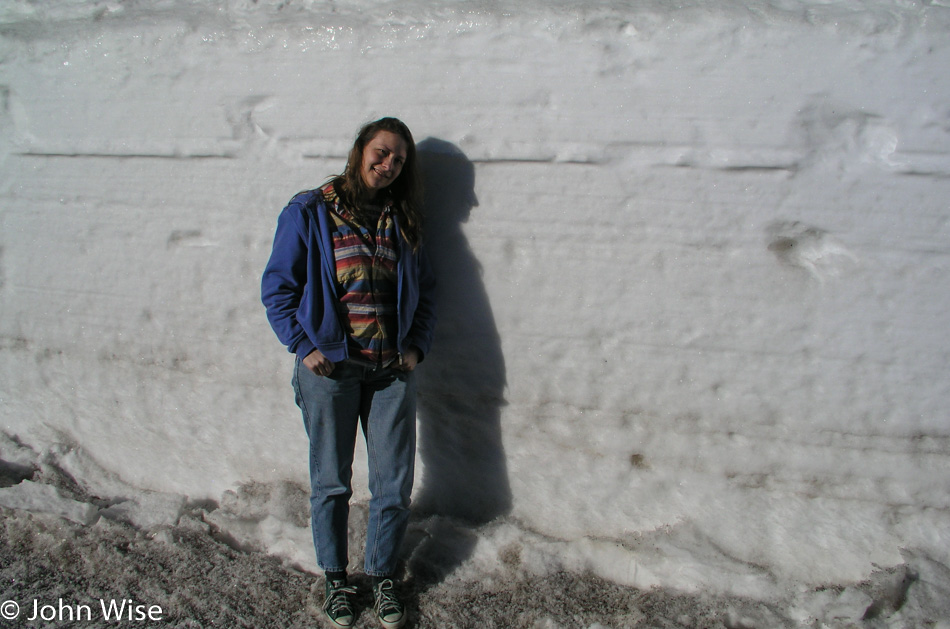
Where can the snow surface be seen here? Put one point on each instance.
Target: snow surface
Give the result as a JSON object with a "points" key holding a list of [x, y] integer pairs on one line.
{"points": [[693, 331]]}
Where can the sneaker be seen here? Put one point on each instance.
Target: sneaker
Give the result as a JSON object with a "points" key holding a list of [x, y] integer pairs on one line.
{"points": [[388, 609], [337, 605]]}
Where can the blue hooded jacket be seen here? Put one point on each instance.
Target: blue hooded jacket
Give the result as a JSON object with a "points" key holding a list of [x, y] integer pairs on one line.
{"points": [[300, 291]]}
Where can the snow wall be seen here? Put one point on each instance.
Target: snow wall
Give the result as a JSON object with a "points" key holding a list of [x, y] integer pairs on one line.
{"points": [[693, 264]]}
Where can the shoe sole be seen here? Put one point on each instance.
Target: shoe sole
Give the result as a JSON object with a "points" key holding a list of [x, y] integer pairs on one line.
{"points": [[392, 625], [337, 625]]}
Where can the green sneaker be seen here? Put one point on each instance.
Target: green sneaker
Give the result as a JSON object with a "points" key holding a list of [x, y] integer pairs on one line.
{"points": [[388, 609], [337, 605]]}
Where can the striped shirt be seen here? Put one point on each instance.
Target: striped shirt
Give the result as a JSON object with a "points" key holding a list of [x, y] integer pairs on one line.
{"points": [[365, 247]]}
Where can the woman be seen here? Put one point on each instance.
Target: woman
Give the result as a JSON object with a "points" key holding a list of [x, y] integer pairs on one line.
{"points": [[348, 289]]}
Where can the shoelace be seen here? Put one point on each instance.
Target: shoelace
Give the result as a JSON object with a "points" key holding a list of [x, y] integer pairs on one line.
{"points": [[337, 601], [386, 601]]}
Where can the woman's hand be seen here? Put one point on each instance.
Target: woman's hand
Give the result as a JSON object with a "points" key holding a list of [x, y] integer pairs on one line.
{"points": [[410, 359], [318, 363]]}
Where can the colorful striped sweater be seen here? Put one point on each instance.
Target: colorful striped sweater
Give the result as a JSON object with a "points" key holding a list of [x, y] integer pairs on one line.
{"points": [[301, 293], [365, 249]]}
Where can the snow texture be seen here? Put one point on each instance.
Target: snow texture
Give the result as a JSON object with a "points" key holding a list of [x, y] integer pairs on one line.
{"points": [[690, 360]]}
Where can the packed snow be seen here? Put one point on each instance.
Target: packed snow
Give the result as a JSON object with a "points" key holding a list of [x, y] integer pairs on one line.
{"points": [[692, 262]]}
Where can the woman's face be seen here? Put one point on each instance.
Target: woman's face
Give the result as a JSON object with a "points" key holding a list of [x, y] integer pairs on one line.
{"points": [[383, 159]]}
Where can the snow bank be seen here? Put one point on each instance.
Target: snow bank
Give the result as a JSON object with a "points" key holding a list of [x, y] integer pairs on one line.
{"points": [[691, 265]]}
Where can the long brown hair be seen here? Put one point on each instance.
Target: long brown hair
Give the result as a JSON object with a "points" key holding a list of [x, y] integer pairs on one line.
{"points": [[405, 192]]}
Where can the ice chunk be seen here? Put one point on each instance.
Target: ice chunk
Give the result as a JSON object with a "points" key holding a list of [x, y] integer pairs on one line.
{"points": [[39, 498]]}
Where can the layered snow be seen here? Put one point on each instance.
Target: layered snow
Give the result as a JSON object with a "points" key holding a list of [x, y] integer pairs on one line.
{"points": [[692, 268]]}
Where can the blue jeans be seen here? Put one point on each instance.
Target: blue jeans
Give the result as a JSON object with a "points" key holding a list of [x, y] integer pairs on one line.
{"points": [[383, 401]]}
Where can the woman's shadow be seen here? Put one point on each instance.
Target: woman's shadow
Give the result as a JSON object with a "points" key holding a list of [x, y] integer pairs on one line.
{"points": [[461, 382]]}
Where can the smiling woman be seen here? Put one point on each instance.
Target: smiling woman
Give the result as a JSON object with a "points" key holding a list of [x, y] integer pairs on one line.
{"points": [[349, 291], [382, 168], [383, 159]]}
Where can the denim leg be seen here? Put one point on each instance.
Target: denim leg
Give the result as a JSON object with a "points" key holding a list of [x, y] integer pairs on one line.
{"points": [[330, 407], [389, 424]]}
